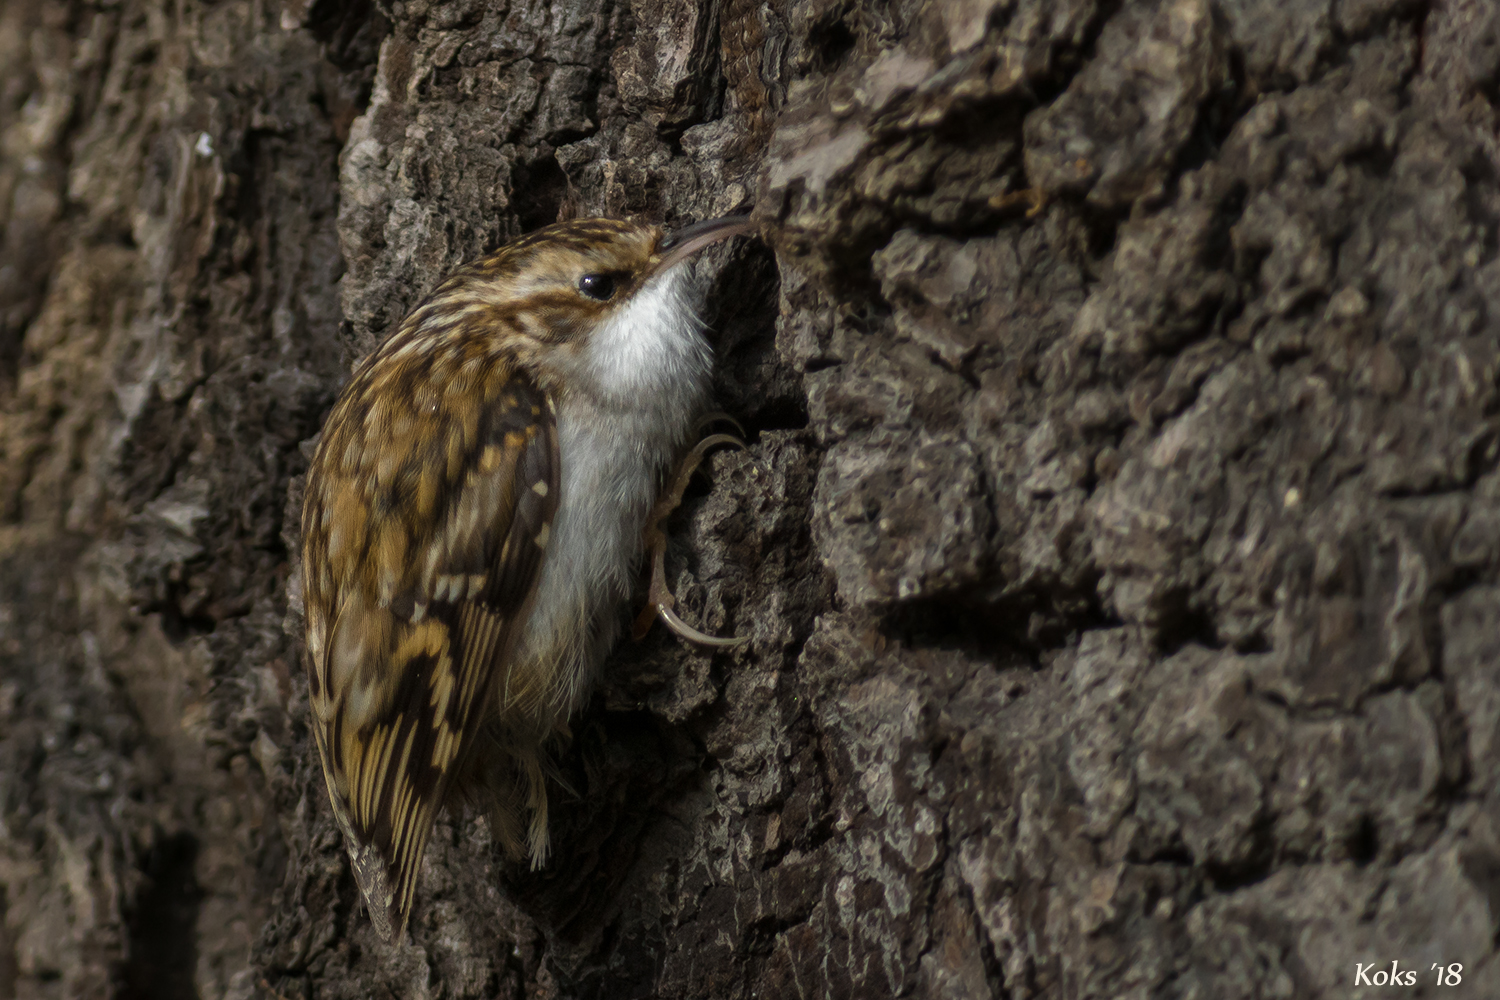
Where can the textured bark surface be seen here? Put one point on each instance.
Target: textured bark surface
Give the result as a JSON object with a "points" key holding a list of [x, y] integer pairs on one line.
{"points": [[1119, 539]]}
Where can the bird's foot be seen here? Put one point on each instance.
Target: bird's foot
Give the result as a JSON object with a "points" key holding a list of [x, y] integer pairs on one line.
{"points": [[659, 600]]}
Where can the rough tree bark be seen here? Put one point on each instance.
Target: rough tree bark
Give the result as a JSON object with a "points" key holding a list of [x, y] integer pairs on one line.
{"points": [[1119, 540]]}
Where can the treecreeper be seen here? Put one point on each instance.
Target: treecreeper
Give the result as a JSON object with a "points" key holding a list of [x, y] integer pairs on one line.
{"points": [[474, 514]]}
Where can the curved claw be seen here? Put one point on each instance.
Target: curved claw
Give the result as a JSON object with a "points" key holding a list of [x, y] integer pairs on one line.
{"points": [[686, 631], [701, 448], [661, 601], [719, 416], [1033, 199], [671, 495]]}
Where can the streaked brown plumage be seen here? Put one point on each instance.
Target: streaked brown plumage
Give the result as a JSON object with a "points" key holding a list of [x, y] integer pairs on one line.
{"points": [[471, 520]]}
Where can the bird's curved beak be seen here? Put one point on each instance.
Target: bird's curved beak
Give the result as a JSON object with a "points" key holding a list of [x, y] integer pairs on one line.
{"points": [[679, 246]]}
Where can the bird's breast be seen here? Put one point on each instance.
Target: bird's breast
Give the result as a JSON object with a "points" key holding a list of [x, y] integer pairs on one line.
{"points": [[610, 472]]}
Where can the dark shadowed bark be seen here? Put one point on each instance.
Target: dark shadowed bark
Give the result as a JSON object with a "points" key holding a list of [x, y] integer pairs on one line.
{"points": [[1118, 543]]}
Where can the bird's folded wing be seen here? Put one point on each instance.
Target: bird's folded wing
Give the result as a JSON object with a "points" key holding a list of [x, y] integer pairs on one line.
{"points": [[422, 633]]}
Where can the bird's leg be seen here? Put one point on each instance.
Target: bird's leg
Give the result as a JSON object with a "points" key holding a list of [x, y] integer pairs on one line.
{"points": [[659, 600]]}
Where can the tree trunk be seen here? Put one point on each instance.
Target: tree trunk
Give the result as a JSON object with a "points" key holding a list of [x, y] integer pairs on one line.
{"points": [[1118, 540]]}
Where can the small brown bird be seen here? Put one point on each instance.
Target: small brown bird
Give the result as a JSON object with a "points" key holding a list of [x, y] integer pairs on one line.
{"points": [[473, 515]]}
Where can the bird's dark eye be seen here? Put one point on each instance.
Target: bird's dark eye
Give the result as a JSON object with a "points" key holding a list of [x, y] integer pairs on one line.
{"points": [[597, 286]]}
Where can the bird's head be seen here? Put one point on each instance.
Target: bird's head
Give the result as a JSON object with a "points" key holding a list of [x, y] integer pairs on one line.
{"points": [[591, 302]]}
